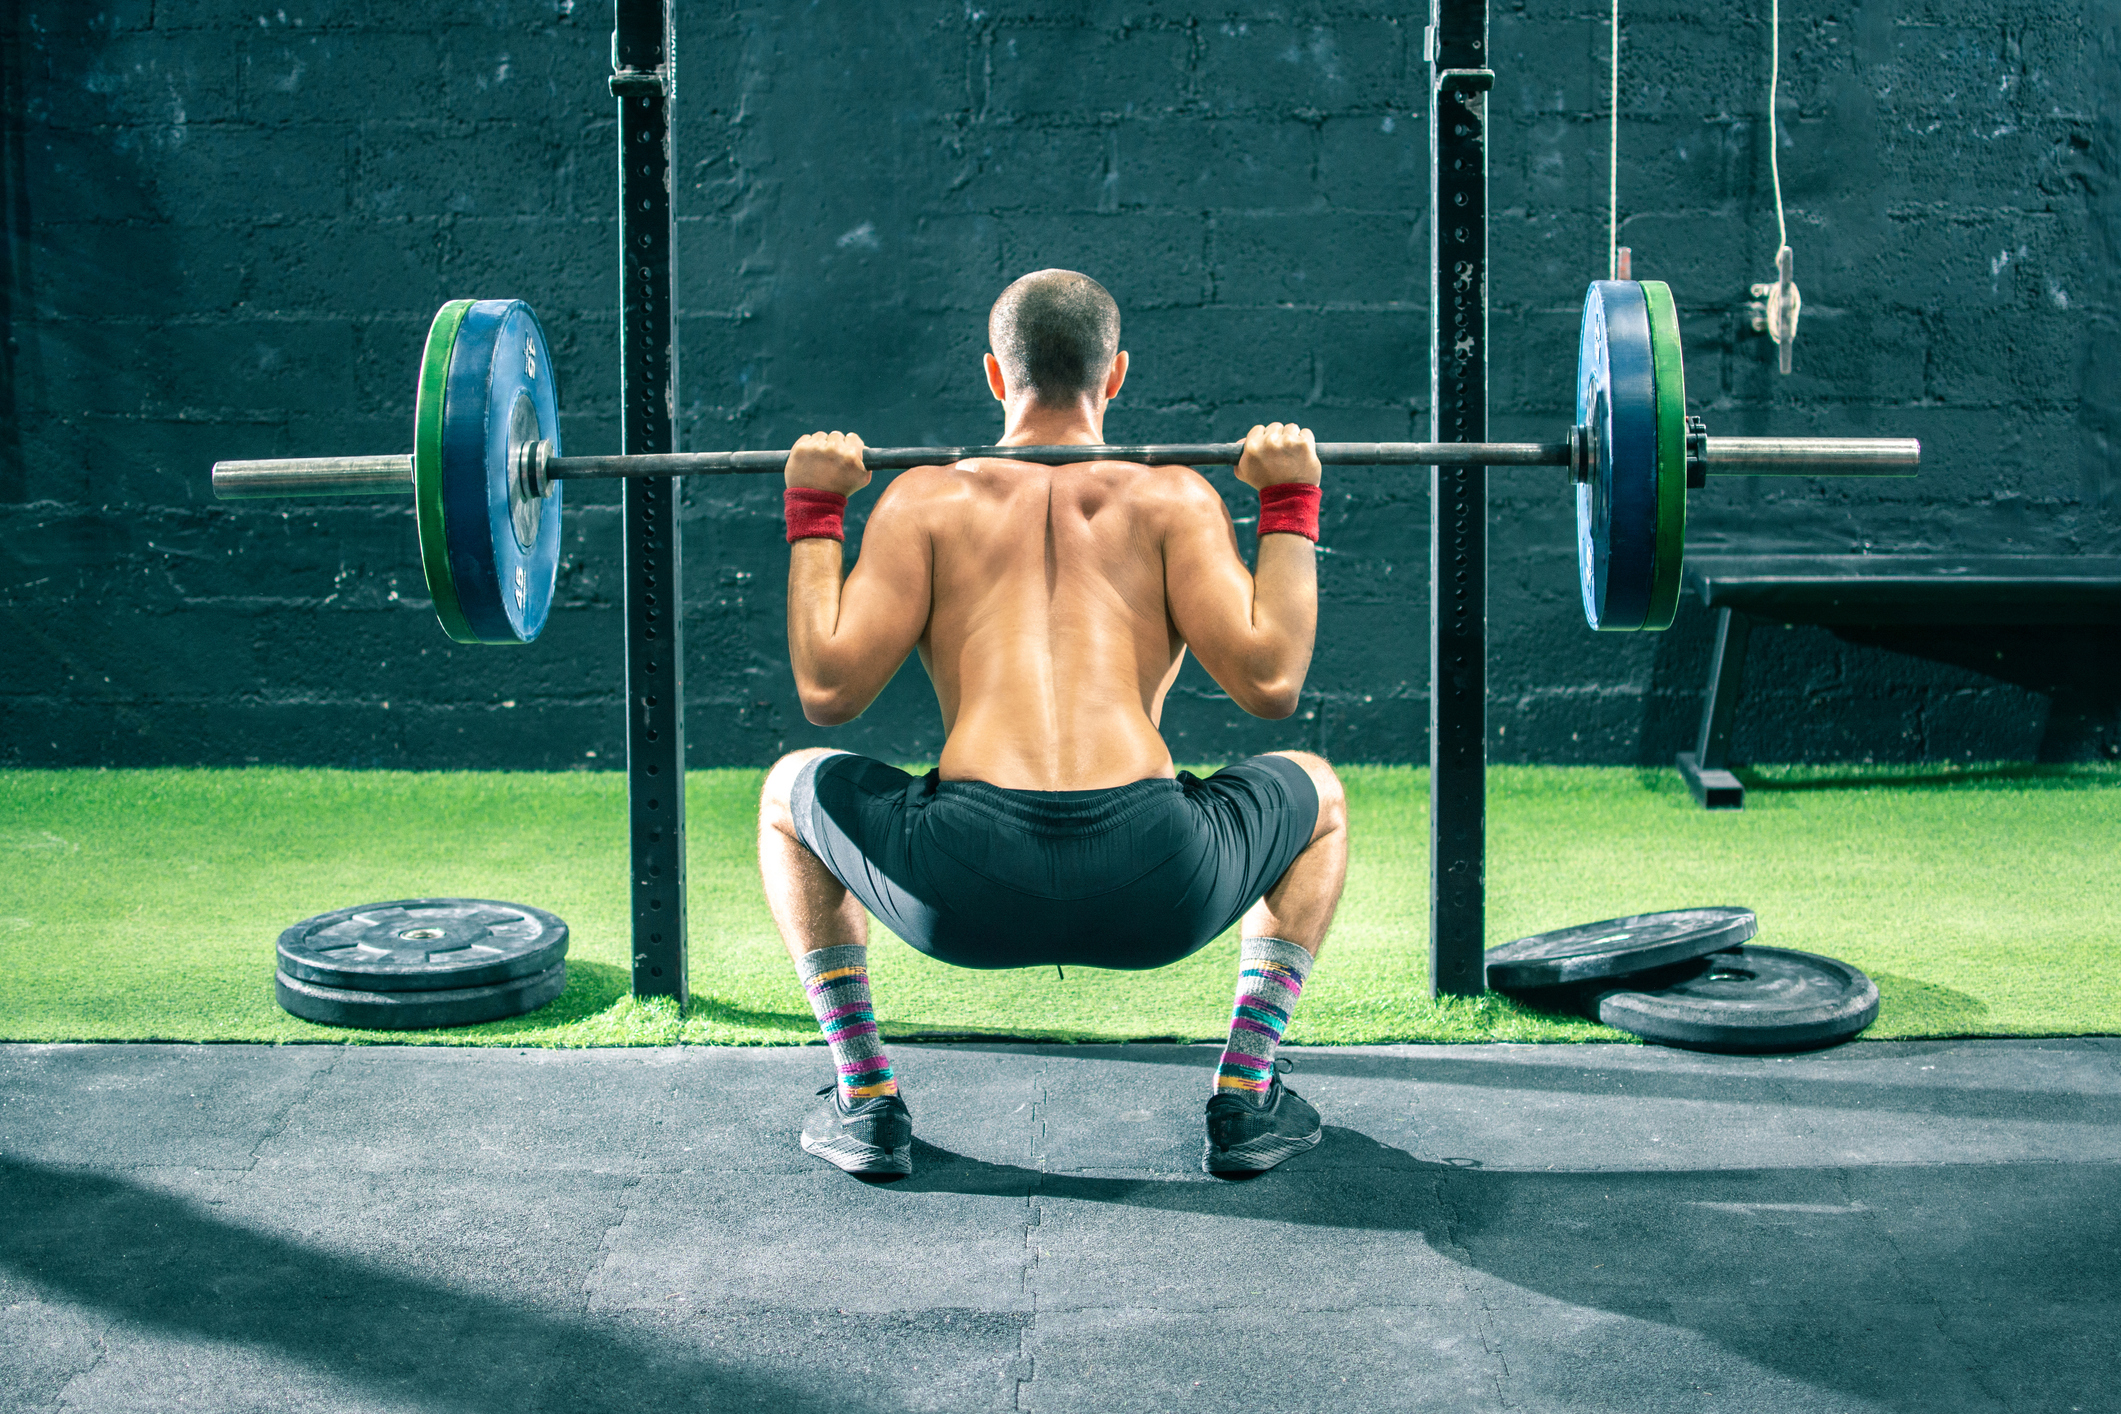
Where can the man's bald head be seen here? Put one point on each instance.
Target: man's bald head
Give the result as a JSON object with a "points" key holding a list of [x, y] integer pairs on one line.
{"points": [[1055, 334]]}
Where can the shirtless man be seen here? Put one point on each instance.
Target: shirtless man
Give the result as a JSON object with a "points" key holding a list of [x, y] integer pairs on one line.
{"points": [[1051, 607]]}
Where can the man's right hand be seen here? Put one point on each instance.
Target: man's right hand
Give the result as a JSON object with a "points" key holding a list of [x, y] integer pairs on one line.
{"points": [[828, 461], [1275, 455]]}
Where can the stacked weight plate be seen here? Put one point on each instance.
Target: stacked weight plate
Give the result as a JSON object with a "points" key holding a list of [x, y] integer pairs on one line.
{"points": [[1631, 510], [421, 962], [1690, 978], [489, 540]]}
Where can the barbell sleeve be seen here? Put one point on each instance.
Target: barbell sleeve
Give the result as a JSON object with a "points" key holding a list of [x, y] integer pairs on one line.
{"points": [[312, 476], [1813, 456]]}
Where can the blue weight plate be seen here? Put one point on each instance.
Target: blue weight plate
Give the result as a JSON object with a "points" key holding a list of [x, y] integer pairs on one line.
{"points": [[504, 546], [1616, 510]]}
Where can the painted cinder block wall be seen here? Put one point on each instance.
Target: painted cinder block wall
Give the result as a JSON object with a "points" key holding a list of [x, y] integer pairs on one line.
{"points": [[229, 224]]}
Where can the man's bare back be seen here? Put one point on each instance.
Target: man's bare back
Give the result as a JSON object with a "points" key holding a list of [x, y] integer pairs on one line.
{"points": [[1052, 606]]}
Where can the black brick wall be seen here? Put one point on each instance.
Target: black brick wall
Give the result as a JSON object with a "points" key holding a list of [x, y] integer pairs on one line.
{"points": [[228, 225]]}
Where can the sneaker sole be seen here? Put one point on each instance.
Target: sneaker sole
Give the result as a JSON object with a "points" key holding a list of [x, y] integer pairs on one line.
{"points": [[853, 1156], [1258, 1155]]}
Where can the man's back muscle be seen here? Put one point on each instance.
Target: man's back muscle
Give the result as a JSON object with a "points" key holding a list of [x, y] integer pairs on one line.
{"points": [[1048, 637], [1051, 604]]}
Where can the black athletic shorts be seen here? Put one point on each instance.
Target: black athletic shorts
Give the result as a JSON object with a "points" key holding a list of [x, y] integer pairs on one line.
{"points": [[1133, 877]]}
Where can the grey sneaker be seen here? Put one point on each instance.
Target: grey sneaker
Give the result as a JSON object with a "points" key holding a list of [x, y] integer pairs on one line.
{"points": [[873, 1136], [1252, 1136]]}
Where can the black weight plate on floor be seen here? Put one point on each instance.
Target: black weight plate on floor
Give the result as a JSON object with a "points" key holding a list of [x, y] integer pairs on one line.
{"points": [[423, 945], [417, 1011], [1753, 999], [1618, 947]]}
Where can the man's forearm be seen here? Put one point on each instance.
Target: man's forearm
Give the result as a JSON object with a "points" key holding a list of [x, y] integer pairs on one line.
{"points": [[814, 585], [1284, 617]]}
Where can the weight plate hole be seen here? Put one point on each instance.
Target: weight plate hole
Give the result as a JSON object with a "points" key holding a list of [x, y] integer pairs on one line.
{"points": [[421, 935]]}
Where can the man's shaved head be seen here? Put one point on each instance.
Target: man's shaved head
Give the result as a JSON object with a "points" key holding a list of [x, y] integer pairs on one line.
{"points": [[1055, 334]]}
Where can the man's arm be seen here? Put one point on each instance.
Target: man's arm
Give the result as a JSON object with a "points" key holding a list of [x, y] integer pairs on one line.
{"points": [[847, 637], [1251, 631]]}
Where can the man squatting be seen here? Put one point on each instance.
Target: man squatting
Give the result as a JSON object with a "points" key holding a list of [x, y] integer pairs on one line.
{"points": [[1052, 607]]}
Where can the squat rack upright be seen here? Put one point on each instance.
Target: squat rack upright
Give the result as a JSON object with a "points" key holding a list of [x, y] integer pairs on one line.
{"points": [[644, 82]]}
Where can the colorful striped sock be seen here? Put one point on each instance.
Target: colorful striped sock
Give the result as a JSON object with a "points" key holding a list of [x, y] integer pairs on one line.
{"points": [[1270, 978], [837, 980]]}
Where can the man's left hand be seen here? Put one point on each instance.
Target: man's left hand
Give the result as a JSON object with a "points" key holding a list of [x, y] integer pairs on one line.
{"points": [[828, 461]]}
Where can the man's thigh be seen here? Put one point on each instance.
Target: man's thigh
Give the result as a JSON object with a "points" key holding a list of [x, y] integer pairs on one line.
{"points": [[1262, 812], [851, 812]]}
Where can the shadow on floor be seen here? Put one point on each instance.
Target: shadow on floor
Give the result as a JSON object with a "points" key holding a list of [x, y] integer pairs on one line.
{"points": [[729, 1014], [592, 989], [1724, 1079], [161, 1263], [1870, 1282], [1925, 1006]]}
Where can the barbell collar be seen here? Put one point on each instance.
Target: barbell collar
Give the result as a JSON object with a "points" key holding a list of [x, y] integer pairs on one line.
{"points": [[312, 476]]}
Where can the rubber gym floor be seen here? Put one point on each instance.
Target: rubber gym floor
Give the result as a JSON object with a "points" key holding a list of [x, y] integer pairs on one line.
{"points": [[576, 1212]]}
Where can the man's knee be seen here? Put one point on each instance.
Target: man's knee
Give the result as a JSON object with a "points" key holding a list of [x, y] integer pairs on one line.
{"points": [[1332, 798], [780, 783]]}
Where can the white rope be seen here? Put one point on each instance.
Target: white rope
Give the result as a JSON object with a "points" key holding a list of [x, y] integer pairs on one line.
{"points": [[1612, 166], [1782, 231]]}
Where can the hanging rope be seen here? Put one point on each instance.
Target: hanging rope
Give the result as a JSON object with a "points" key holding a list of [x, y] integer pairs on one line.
{"points": [[1612, 148], [1774, 72], [1777, 314]]}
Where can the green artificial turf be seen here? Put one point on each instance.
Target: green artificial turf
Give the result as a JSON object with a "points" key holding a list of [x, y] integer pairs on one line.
{"points": [[141, 905]]}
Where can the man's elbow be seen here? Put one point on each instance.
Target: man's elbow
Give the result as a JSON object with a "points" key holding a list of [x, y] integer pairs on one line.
{"points": [[828, 707], [1273, 700]]}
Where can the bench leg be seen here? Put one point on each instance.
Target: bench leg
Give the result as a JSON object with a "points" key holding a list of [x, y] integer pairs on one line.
{"points": [[1704, 768]]}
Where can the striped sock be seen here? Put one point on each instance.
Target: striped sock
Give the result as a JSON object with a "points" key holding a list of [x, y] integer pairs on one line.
{"points": [[1270, 978], [837, 980]]}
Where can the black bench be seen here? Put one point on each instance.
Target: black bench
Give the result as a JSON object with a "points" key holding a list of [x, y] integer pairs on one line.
{"points": [[1872, 591]]}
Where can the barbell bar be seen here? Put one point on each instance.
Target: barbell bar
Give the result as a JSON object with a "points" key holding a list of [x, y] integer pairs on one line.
{"points": [[487, 468], [286, 477]]}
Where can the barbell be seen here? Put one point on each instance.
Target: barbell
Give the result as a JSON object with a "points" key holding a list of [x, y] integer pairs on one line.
{"points": [[486, 464]]}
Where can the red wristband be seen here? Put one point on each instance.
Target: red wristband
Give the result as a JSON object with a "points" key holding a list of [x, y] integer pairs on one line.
{"points": [[1289, 509], [813, 514]]}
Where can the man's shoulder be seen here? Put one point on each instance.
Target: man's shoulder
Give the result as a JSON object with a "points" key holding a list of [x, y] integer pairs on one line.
{"points": [[917, 487], [1179, 490]]}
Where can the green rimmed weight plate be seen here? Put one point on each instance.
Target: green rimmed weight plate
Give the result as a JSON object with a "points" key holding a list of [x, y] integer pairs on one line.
{"points": [[1669, 554], [427, 471], [1616, 505]]}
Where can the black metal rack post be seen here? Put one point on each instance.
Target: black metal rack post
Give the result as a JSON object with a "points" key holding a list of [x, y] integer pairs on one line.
{"points": [[1459, 78], [644, 80]]}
